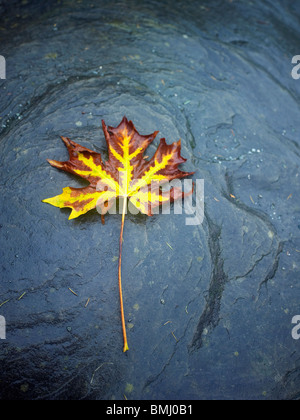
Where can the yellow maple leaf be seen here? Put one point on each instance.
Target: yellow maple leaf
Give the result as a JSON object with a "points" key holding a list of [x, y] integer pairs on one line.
{"points": [[126, 174]]}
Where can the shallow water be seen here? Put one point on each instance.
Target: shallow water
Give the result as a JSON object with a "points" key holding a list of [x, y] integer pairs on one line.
{"points": [[209, 308]]}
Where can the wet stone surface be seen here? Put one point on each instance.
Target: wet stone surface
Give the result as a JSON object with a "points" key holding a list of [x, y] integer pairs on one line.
{"points": [[209, 308]]}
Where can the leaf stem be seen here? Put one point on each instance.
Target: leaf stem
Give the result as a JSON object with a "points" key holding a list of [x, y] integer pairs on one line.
{"points": [[125, 348]]}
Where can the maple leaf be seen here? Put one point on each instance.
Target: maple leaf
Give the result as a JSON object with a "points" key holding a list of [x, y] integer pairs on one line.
{"points": [[126, 174]]}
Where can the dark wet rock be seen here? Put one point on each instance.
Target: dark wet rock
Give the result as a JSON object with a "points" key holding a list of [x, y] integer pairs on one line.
{"points": [[209, 307]]}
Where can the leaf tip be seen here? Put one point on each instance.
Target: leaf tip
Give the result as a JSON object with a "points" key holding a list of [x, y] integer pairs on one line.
{"points": [[55, 163], [73, 215]]}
